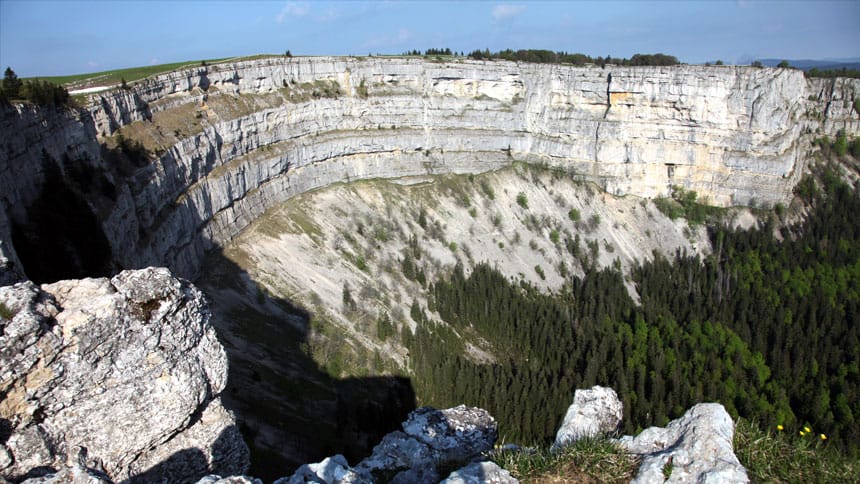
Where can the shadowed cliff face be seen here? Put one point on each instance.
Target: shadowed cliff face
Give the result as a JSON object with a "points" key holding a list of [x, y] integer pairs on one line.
{"points": [[60, 236], [290, 410]]}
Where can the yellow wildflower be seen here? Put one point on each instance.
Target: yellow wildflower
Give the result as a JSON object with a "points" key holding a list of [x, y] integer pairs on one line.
{"points": [[807, 429], [823, 437], [780, 427], [802, 433]]}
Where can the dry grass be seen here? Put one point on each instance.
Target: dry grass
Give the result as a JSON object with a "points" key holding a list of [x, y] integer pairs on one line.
{"points": [[786, 457], [586, 461]]}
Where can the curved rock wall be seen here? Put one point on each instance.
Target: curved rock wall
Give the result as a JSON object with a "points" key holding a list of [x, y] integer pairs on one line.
{"points": [[736, 135]]}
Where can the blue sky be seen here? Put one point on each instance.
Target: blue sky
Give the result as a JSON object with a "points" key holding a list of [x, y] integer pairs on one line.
{"points": [[41, 37]]}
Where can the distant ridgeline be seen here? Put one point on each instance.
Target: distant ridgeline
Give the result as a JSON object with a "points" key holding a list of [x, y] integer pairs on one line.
{"points": [[767, 327]]}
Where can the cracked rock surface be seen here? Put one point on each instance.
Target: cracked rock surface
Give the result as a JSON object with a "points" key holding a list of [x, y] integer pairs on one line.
{"points": [[128, 369], [595, 411], [696, 448]]}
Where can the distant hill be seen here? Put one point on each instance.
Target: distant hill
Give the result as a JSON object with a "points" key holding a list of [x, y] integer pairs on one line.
{"points": [[806, 64]]}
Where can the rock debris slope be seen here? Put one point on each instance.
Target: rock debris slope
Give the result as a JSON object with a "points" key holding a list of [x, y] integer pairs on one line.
{"points": [[231, 140], [122, 374]]}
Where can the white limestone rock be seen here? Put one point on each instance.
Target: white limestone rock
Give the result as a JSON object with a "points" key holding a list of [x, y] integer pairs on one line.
{"points": [[128, 368], [595, 412], [698, 446], [71, 475], [216, 479], [431, 436], [454, 434], [398, 451], [331, 470], [481, 473]]}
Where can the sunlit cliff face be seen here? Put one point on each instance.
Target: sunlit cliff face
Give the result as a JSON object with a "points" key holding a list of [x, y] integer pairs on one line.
{"points": [[218, 145]]}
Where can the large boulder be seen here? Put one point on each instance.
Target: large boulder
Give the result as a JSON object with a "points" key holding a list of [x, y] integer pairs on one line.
{"points": [[595, 412], [696, 448], [454, 434], [128, 368]]}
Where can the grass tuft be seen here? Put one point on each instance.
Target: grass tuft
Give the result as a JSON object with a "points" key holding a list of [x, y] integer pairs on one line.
{"points": [[5, 312], [781, 456], [107, 78], [588, 460], [769, 456]]}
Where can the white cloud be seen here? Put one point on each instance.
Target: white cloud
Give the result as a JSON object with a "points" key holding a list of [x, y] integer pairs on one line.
{"points": [[507, 10], [292, 9], [153, 61], [92, 64]]}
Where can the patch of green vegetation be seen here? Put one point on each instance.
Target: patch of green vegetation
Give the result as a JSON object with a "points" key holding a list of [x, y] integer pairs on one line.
{"points": [[686, 204], [667, 468], [587, 460], [785, 455], [381, 234], [361, 264], [574, 215], [5, 312], [305, 224], [456, 187], [522, 200], [487, 189], [106, 78]]}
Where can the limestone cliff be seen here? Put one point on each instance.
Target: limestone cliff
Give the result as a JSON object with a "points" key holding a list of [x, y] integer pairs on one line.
{"points": [[124, 374], [234, 139]]}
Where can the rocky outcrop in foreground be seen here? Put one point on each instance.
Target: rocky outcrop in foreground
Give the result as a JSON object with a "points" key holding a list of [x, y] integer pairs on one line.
{"points": [[431, 440], [594, 412], [695, 448], [117, 375]]}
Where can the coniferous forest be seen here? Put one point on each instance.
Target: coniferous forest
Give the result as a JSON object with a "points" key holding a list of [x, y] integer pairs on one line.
{"points": [[768, 324]]}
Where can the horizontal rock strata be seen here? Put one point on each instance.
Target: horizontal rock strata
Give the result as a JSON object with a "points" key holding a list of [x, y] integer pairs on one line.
{"points": [[255, 133]]}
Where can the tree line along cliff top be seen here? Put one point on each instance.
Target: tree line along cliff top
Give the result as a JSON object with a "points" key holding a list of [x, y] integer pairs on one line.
{"points": [[54, 90]]}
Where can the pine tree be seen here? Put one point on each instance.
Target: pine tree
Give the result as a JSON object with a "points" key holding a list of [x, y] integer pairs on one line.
{"points": [[11, 84]]}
